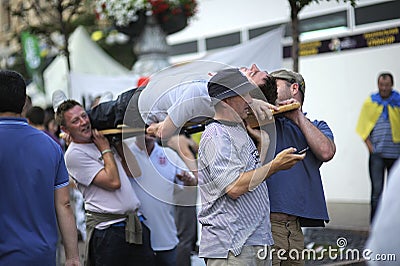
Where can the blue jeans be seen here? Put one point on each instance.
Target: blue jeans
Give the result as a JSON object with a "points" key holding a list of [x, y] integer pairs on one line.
{"points": [[108, 247], [166, 257], [377, 167]]}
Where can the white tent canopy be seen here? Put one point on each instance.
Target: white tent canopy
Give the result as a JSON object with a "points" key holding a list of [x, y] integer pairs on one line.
{"points": [[93, 71], [265, 51]]}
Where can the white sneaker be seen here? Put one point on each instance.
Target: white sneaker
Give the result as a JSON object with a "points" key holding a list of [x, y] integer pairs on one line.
{"points": [[58, 98]]}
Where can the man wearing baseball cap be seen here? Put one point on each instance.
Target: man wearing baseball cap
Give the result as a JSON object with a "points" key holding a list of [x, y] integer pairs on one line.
{"points": [[235, 205], [296, 196], [292, 78]]}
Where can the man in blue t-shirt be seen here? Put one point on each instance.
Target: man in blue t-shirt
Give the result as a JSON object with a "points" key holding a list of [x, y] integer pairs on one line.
{"points": [[296, 195], [34, 193]]}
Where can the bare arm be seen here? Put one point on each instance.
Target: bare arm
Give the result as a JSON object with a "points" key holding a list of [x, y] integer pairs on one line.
{"points": [[162, 130], [181, 144], [67, 225], [249, 180], [322, 146], [262, 109], [108, 177], [128, 160]]}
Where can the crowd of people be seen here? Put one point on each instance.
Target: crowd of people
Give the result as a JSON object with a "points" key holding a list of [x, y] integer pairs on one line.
{"points": [[258, 185]]}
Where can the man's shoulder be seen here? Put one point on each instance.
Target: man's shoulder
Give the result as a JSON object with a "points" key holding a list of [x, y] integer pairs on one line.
{"points": [[323, 127], [41, 139], [75, 149]]}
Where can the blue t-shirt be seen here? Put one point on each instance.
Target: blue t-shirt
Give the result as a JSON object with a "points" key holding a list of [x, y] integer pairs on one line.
{"points": [[298, 191], [31, 168]]}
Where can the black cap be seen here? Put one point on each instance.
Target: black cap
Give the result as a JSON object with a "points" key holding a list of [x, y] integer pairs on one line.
{"points": [[228, 83]]}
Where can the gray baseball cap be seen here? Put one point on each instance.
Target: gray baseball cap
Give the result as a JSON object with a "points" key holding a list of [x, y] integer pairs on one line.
{"points": [[290, 76], [228, 83]]}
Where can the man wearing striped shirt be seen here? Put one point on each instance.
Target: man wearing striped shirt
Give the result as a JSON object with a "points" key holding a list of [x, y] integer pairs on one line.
{"points": [[235, 204], [379, 126]]}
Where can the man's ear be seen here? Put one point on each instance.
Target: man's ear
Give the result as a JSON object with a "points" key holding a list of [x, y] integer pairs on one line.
{"points": [[295, 89]]}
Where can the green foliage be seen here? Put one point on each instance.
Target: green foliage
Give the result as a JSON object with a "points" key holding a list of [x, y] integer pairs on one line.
{"points": [[43, 18], [295, 7]]}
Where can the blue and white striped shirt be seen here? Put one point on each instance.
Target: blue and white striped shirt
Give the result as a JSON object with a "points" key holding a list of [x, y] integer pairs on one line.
{"points": [[226, 151], [382, 141]]}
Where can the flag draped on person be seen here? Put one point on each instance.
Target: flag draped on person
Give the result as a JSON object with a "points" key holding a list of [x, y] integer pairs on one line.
{"points": [[372, 109]]}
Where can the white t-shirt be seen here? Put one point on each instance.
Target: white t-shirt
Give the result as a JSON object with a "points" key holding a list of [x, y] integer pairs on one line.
{"points": [[155, 188], [83, 162], [188, 101]]}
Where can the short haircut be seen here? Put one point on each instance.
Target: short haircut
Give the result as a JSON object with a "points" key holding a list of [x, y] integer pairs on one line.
{"points": [[36, 115], [386, 75], [269, 89], [62, 108], [12, 91]]}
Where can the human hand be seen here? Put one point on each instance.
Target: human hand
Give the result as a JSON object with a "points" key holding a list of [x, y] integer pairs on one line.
{"points": [[72, 262], [288, 101], [188, 178], [155, 129], [293, 115], [100, 140], [66, 137], [262, 109], [287, 158]]}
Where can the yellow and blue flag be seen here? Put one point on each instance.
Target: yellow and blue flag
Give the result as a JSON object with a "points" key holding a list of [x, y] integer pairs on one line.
{"points": [[373, 108]]}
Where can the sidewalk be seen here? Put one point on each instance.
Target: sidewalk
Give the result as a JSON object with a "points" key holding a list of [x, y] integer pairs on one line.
{"points": [[349, 215], [347, 232], [349, 221]]}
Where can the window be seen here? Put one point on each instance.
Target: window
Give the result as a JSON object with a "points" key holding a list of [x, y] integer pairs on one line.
{"points": [[223, 41], [376, 13], [183, 48]]}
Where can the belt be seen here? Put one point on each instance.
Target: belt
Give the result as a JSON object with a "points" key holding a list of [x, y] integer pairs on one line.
{"points": [[119, 224], [282, 217], [123, 223]]}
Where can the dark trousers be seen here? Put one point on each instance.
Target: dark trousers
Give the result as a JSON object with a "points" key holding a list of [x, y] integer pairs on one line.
{"points": [[108, 247], [377, 167], [186, 224], [165, 257]]}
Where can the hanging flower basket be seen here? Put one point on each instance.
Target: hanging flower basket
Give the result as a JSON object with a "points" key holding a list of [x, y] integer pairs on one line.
{"points": [[171, 23], [129, 16], [134, 28]]}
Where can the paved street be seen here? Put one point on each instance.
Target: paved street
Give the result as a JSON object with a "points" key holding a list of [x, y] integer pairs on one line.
{"points": [[349, 222]]}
